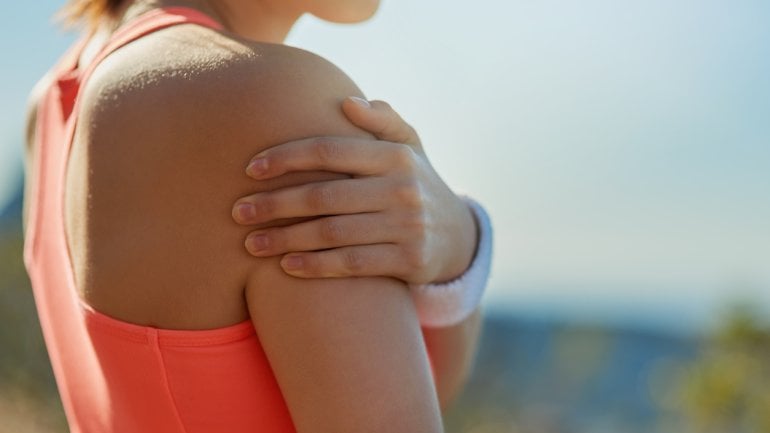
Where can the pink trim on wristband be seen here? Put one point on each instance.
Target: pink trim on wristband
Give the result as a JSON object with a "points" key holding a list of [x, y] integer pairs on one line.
{"points": [[442, 305]]}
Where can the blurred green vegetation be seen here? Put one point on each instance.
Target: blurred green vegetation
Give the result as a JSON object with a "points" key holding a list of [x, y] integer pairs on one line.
{"points": [[28, 397], [727, 387]]}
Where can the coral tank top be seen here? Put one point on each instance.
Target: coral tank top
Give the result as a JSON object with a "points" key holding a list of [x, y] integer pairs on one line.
{"points": [[115, 376]]}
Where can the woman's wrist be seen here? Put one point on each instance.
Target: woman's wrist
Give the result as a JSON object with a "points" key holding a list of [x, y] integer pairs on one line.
{"points": [[462, 244], [441, 305]]}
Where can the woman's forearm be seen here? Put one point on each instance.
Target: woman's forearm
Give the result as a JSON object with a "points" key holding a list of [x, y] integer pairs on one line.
{"points": [[453, 350]]}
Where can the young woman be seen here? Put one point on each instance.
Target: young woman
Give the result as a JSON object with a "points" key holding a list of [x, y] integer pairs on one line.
{"points": [[156, 318]]}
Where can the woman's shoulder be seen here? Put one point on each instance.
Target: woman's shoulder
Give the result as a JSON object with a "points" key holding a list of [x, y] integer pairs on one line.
{"points": [[190, 90], [185, 64], [191, 80], [166, 128]]}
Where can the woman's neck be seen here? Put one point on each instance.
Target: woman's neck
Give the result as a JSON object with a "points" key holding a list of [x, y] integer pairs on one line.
{"points": [[257, 20]]}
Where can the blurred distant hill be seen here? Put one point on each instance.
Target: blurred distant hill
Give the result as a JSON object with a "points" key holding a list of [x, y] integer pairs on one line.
{"points": [[545, 376], [530, 376]]}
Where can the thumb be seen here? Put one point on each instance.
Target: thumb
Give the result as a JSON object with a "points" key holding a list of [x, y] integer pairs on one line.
{"points": [[378, 118]]}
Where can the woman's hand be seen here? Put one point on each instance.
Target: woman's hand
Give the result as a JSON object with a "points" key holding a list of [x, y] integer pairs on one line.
{"points": [[394, 216]]}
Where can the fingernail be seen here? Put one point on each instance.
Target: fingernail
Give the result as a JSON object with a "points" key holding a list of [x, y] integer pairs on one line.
{"points": [[257, 166], [246, 212], [293, 263], [257, 243], [361, 102]]}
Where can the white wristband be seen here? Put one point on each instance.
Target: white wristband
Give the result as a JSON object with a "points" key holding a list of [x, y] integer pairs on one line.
{"points": [[447, 304]]}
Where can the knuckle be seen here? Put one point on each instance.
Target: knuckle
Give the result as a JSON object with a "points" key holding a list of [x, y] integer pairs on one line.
{"points": [[413, 139], [404, 156], [382, 105], [267, 205], [310, 264], [409, 194], [394, 125], [354, 261], [331, 231], [326, 149], [319, 198], [410, 130], [416, 225], [415, 257], [402, 132], [277, 239]]}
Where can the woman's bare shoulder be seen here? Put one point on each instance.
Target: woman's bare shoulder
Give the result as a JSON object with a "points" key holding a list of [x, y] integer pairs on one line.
{"points": [[197, 91], [190, 64], [167, 126]]}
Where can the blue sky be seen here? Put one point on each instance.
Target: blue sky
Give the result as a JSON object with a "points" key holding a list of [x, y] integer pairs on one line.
{"points": [[622, 148]]}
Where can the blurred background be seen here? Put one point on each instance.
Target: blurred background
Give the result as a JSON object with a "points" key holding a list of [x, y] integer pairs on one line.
{"points": [[623, 152]]}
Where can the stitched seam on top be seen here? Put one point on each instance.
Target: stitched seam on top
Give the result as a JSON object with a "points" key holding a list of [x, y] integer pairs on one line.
{"points": [[153, 336], [165, 341], [235, 335], [116, 332], [238, 332]]}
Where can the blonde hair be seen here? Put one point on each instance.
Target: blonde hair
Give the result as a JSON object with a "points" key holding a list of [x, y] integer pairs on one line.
{"points": [[88, 12]]}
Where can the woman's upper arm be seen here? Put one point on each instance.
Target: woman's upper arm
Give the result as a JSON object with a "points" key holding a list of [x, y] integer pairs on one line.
{"points": [[348, 353]]}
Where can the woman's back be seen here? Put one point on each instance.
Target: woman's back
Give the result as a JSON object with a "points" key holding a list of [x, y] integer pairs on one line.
{"points": [[162, 135]]}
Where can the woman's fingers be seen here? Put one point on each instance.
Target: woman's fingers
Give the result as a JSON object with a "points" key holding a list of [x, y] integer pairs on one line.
{"points": [[355, 156], [344, 196], [324, 233], [392, 218], [358, 261], [379, 118]]}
